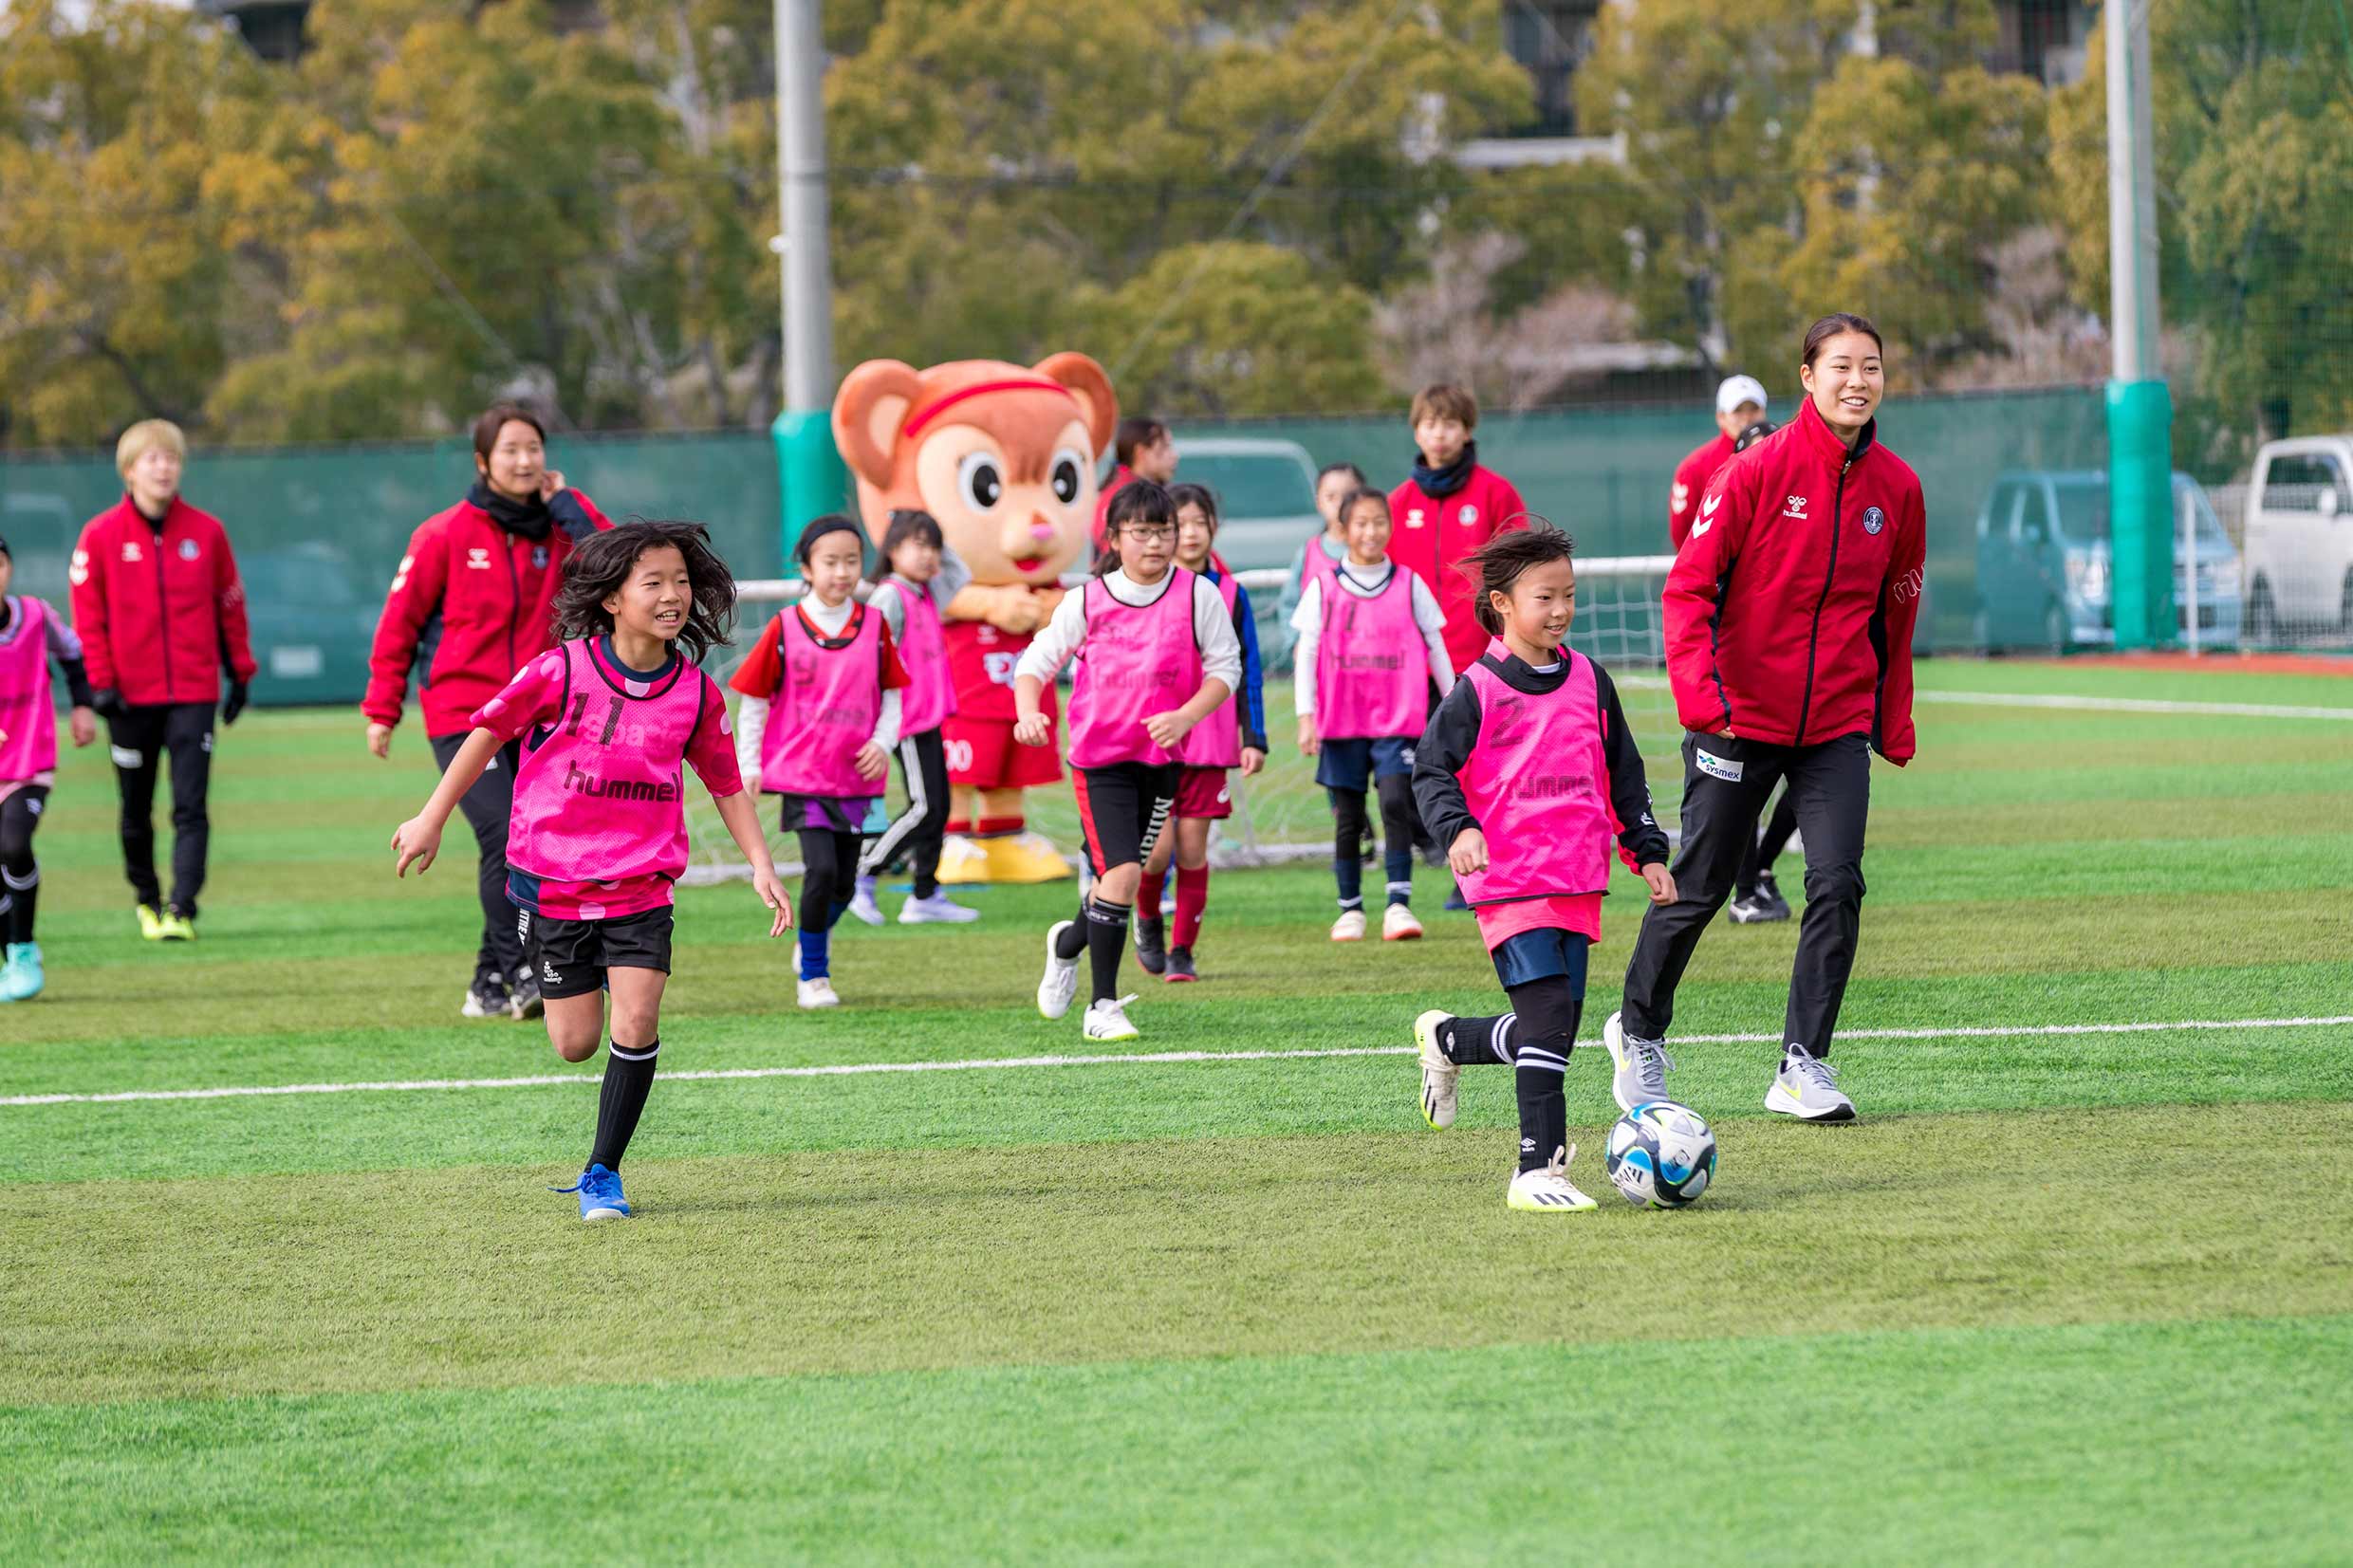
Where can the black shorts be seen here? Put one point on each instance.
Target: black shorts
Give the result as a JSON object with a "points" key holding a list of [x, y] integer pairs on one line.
{"points": [[574, 954], [1123, 809]]}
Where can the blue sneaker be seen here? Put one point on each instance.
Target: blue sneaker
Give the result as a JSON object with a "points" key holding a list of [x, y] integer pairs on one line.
{"points": [[21, 978], [599, 1194]]}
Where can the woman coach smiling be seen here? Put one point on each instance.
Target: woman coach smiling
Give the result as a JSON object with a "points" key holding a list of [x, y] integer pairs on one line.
{"points": [[1789, 626]]}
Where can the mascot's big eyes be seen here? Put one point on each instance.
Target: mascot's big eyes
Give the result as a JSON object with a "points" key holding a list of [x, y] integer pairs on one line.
{"points": [[1067, 472], [979, 482]]}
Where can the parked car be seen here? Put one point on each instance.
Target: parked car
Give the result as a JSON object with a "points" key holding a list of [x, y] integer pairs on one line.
{"points": [[2300, 537], [2044, 577], [1266, 495]]}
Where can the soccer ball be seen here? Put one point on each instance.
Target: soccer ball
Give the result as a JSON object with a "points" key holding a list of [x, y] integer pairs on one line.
{"points": [[1661, 1155]]}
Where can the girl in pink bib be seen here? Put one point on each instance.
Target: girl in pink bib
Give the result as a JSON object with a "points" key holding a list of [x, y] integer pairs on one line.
{"points": [[1526, 773], [31, 635]]}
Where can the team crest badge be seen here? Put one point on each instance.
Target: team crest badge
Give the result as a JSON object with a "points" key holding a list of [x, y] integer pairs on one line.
{"points": [[1469, 514], [1873, 520], [188, 549]]}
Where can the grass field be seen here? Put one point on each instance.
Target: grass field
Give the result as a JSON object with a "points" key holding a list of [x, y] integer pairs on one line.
{"points": [[2056, 1297]]}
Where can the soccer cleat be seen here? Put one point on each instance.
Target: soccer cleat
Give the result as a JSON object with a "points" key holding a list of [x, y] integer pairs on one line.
{"points": [[862, 907], [1641, 1065], [599, 1194], [150, 922], [1769, 892], [1803, 1089], [1549, 1191], [817, 992], [1349, 927], [1439, 1077], [1060, 982], [524, 1000], [175, 926], [21, 978], [938, 910], [962, 860], [1398, 924], [488, 997], [1180, 969], [1023, 858], [1107, 1019], [1151, 944]]}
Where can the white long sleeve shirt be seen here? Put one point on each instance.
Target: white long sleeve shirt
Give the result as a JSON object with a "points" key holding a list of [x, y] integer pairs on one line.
{"points": [[1065, 634], [752, 712], [1363, 581]]}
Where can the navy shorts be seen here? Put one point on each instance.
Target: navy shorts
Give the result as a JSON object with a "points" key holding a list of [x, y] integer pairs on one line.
{"points": [[1543, 955], [1353, 763]]}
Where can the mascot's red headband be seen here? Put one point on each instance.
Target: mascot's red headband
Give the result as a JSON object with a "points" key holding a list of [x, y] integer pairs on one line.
{"points": [[923, 415]]}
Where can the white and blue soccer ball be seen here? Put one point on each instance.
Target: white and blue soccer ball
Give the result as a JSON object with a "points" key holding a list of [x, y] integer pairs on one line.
{"points": [[1661, 1155]]}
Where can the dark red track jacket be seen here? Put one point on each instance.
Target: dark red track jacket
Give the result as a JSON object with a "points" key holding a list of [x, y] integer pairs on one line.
{"points": [[1789, 610], [471, 601], [159, 611], [1690, 479], [1431, 535]]}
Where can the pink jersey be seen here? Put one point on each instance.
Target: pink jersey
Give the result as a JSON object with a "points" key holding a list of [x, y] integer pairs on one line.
{"points": [[598, 829], [930, 696], [1216, 740], [28, 711], [824, 709], [1538, 784], [1372, 668], [1135, 661], [1319, 565]]}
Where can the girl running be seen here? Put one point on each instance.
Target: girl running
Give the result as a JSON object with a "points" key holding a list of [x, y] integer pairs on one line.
{"points": [[1372, 642], [605, 720], [31, 635], [819, 718], [1526, 771], [1233, 736], [1156, 655], [1321, 556], [922, 575]]}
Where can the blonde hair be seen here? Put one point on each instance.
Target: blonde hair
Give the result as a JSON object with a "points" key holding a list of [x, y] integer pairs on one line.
{"points": [[144, 437]]}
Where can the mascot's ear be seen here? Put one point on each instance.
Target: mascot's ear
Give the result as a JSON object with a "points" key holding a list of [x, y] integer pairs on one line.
{"points": [[1091, 387], [867, 411]]}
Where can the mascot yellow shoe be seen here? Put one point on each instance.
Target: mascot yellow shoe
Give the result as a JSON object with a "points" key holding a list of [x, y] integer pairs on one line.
{"points": [[1019, 858]]}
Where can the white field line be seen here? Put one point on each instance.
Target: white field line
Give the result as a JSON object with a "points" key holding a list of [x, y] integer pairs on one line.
{"points": [[2082, 704], [1154, 1059]]}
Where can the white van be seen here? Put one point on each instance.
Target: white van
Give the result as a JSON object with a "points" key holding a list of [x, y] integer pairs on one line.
{"points": [[2299, 544]]}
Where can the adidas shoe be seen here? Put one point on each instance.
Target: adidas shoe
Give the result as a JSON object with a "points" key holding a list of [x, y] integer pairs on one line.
{"points": [[1400, 924], [1349, 927], [1060, 982], [599, 1194], [1804, 1089], [938, 910], [817, 993], [150, 923], [524, 1000], [1640, 1065], [1107, 1019], [1549, 1191], [22, 978], [1180, 970], [1439, 1077], [488, 997], [862, 908], [1151, 944]]}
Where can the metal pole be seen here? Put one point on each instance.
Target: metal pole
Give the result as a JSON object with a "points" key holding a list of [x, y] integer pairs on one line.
{"points": [[2140, 405], [811, 478]]}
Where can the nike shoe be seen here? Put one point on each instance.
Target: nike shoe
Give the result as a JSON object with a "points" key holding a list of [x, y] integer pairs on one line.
{"points": [[1549, 1191], [1151, 944], [1400, 924], [1349, 927], [1439, 1077], [599, 1194], [1745, 909], [938, 910], [862, 907], [488, 997], [1107, 1019], [1060, 982], [524, 1000], [1805, 1088], [1769, 892], [150, 923], [1640, 1065], [817, 993], [21, 978], [176, 927], [1180, 969]]}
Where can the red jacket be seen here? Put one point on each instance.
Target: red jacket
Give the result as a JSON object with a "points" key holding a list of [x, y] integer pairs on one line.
{"points": [[1790, 609], [1432, 537], [472, 601], [159, 609], [1691, 477]]}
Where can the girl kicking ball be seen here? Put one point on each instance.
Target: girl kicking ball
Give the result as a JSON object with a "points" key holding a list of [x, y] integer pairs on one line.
{"points": [[1525, 772], [598, 834]]}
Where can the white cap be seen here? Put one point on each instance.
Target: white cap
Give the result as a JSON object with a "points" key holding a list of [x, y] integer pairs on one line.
{"points": [[1737, 390]]}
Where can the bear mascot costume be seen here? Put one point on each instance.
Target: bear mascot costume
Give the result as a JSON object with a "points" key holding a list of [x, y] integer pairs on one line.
{"points": [[1004, 456]]}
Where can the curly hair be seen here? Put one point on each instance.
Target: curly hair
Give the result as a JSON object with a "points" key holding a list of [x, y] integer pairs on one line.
{"points": [[597, 569], [1498, 563]]}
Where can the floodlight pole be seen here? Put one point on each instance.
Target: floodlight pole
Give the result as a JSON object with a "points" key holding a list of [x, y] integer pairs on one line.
{"points": [[810, 469], [2139, 407]]}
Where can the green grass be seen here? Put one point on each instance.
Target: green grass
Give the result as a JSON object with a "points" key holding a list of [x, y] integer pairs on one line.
{"points": [[2055, 1297]]}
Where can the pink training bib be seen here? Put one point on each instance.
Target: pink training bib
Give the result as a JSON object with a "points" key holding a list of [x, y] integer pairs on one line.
{"points": [[28, 712], [1538, 783], [825, 710], [1317, 566], [1135, 661], [1372, 671], [930, 695], [1216, 740]]}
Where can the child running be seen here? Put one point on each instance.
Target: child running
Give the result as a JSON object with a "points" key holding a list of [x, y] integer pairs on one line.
{"points": [[599, 836], [1156, 655], [819, 718], [921, 576], [1525, 771], [1233, 736], [1372, 642], [31, 635]]}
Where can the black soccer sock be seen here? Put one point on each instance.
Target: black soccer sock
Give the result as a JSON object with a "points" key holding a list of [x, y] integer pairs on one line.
{"points": [[1477, 1041], [1544, 1109], [1071, 941], [19, 891], [1106, 938], [628, 1078]]}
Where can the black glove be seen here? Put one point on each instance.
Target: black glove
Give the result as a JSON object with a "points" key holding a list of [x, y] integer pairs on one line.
{"points": [[107, 703], [235, 705]]}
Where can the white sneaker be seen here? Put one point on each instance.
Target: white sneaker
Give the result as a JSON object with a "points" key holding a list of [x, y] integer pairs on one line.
{"points": [[1349, 927], [938, 910], [1641, 1065], [1803, 1089], [1060, 981], [1398, 924], [1439, 1077], [1549, 1191], [818, 993], [1107, 1019], [862, 908]]}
